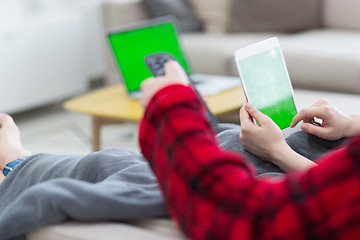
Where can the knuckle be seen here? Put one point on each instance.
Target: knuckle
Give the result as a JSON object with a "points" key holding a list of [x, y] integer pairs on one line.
{"points": [[244, 130], [326, 109], [243, 139], [266, 120], [302, 112], [241, 136], [324, 101]]}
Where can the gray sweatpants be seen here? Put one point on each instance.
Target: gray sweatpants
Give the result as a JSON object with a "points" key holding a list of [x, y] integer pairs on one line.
{"points": [[113, 184]]}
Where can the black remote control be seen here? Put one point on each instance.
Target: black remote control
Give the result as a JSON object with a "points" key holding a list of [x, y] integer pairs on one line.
{"points": [[155, 62]]}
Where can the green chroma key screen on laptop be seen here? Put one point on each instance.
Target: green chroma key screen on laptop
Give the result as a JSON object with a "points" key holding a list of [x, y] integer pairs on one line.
{"points": [[131, 44]]}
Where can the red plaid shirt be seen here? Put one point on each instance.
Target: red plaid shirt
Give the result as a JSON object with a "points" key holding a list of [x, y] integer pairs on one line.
{"points": [[213, 194]]}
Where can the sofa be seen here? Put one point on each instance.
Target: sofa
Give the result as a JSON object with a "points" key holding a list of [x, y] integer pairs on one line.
{"points": [[149, 229], [320, 39], [324, 57]]}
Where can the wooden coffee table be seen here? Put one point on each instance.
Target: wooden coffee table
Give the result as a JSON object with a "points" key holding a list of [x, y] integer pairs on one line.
{"points": [[111, 105]]}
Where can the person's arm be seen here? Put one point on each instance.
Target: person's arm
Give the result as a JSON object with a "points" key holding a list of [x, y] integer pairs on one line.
{"points": [[267, 142], [213, 194], [325, 121], [354, 127]]}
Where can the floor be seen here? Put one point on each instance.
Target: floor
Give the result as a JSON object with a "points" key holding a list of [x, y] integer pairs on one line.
{"points": [[53, 130]]}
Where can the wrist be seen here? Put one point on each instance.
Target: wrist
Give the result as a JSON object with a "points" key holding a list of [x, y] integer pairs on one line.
{"points": [[281, 153], [287, 160], [353, 126]]}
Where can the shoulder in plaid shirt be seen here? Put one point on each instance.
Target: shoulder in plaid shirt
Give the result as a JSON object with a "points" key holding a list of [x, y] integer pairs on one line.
{"points": [[213, 194]]}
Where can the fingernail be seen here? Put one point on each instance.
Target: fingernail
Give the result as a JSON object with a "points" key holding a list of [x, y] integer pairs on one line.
{"points": [[305, 127], [176, 63], [171, 62]]}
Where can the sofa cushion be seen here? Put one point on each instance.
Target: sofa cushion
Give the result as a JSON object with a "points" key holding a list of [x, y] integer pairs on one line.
{"points": [[214, 53], [274, 15], [213, 13], [341, 14], [179, 8], [325, 59]]}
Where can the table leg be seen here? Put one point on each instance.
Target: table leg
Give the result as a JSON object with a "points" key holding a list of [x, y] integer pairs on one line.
{"points": [[96, 125]]}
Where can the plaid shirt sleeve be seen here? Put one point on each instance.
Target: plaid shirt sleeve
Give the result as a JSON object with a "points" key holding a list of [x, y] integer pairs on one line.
{"points": [[213, 194]]}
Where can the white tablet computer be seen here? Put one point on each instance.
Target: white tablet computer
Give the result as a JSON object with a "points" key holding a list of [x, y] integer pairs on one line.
{"points": [[266, 81]]}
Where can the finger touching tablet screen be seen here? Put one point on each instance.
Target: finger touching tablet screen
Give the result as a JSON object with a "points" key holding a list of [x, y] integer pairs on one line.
{"points": [[266, 81]]}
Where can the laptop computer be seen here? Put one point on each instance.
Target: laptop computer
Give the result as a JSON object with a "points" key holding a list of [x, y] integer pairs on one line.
{"points": [[130, 44]]}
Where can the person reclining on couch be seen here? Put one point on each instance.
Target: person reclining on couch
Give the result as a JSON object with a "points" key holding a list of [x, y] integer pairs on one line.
{"points": [[220, 183], [262, 142], [213, 194]]}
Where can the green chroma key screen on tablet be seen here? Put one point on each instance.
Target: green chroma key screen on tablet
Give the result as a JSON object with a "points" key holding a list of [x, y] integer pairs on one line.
{"points": [[130, 46], [268, 87]]}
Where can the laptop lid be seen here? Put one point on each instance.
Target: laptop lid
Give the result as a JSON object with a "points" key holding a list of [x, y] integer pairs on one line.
{"points": [[130, 45]]}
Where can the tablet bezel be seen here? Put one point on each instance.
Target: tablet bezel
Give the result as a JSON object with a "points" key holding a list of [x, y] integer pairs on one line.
{"points": [[255, 49]]}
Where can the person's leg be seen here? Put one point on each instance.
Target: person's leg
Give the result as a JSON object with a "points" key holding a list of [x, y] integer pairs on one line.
{"points": [[310, 146], [116, 164], [229, 140], [10, 144], [301, 142]]}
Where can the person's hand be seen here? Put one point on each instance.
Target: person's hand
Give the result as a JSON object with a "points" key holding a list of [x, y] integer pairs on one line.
{"points": [[174, 74], [265, 140], [323, 120]]}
